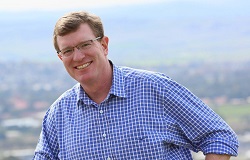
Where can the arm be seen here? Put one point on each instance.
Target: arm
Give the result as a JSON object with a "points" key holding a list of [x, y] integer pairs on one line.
{"points": [[217, 157], [47, 147], [205, 130]]}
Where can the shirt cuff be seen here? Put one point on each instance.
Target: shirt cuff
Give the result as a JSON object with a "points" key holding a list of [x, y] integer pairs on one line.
{"points": [[216, 147]]}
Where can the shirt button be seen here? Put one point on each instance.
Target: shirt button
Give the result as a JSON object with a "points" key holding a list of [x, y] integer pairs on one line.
{"points": [[104, 135], [101, 111]]}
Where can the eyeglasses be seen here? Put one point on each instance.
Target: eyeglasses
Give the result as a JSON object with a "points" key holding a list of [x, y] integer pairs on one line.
{"points": [[67, 52]]}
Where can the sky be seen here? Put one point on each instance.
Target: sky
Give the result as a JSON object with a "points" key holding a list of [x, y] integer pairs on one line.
{"points": [[178, 22], [25, 5], [52, 5]]}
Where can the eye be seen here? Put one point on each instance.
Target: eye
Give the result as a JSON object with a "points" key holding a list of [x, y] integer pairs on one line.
{"points": [[67, 51], [84, 45]]}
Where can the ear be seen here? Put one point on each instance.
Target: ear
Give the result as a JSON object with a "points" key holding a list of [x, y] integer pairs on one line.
{"points": [[104, 43], [59, 56]]}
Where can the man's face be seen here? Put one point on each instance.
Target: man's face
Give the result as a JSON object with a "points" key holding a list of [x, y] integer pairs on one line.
{"points": [[87, 65]]}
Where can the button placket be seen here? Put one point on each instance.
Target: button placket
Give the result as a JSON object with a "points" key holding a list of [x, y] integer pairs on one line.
{"points": [[108, 158], [104, 135], [101, 111], [104, 130]]}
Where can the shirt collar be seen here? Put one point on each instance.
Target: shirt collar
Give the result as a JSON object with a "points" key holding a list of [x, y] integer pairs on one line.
{"points": [[118, 82], [117, 88]]}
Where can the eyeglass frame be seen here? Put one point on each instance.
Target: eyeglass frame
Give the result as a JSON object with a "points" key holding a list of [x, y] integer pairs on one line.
{"points": [[77, 46]]}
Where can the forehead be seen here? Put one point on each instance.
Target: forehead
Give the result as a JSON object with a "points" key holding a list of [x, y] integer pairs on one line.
{"points": [[83, 33]]}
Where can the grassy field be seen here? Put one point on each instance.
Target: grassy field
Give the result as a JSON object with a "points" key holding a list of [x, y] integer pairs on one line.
{"points": [[237, 116]]}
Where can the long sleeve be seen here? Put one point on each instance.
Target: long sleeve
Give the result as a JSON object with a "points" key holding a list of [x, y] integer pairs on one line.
{"points": [[206, 131], [47, 147]]}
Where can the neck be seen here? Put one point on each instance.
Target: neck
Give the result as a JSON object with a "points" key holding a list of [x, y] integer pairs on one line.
{"points": [[99, 89]]}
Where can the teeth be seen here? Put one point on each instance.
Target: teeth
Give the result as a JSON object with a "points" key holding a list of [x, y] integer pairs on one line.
{"points": [[83, 66]]}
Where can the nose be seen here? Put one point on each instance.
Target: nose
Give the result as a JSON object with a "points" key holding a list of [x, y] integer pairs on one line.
{"points": [[78, 55]]}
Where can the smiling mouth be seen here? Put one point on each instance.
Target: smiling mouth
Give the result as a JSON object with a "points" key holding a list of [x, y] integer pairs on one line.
{"points": [[83, 66]]}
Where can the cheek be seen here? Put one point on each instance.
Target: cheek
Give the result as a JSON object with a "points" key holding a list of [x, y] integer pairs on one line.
{"points": [[66, 63], [102, 50]]}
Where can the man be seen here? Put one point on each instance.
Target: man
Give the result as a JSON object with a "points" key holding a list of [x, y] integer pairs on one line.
{"points": [[123, 113]]}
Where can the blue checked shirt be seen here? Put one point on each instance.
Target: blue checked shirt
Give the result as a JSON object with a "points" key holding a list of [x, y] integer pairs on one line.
{"points": [[146, 115]]}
